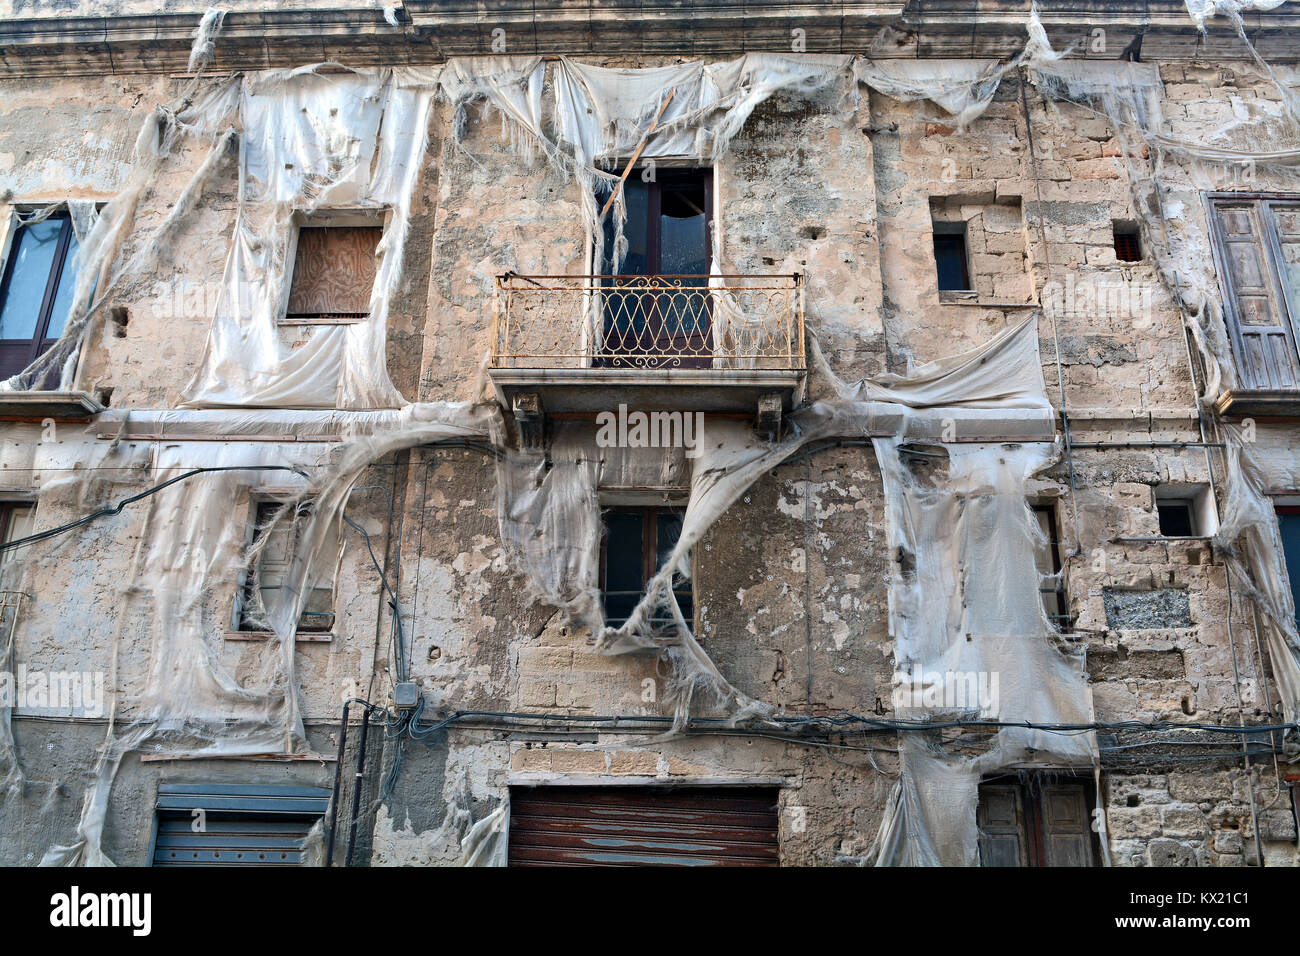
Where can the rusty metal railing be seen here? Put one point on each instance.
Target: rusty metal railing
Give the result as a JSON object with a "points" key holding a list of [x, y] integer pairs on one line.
{"points": [[648, 322]]}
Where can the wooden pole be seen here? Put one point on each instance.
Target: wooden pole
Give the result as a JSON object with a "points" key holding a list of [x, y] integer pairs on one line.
{"points": [[645, 140]]}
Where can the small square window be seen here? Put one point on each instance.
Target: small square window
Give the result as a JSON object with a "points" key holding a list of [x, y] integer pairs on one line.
{"points": [[950, 257], [1128, 245], [333, 273], [637, 543], [1176, 517]]}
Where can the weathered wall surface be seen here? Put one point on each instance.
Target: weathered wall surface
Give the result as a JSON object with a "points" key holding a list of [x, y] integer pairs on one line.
{"points": [[791, 583]]}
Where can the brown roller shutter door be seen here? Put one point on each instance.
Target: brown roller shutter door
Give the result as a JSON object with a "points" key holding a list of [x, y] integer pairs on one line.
{"points": [[643, 826]]}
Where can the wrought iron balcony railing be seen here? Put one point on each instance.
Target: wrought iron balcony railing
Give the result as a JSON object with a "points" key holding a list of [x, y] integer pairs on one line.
{"points": [[649, 322]]}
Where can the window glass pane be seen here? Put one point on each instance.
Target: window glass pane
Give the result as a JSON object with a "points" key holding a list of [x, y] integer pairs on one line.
{"points": [[636, 262], [63, 297], [684, 246], [623, 568], [35, 246]]}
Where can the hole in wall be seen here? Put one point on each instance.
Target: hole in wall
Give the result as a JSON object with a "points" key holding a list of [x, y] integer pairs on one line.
{"points": [[119, 317]]}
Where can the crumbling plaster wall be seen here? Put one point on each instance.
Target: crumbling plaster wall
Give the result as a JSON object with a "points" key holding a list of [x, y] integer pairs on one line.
{"points": [[802, 190]]}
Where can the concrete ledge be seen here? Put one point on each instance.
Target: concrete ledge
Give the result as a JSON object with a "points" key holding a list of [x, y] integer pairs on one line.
{"points": [[1259, 403], [592, 390], [42, 405]]}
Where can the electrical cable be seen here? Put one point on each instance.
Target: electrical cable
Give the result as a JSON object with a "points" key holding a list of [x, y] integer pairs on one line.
{"points": [[108, 512]]}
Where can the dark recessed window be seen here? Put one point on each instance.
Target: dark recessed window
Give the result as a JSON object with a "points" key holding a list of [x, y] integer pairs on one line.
{"points": [[1176, 519], [36, 295], [1128, 247], [950, 257], [637, 543]]}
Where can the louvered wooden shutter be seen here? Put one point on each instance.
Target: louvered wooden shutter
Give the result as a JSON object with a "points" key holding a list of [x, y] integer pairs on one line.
{"points": [[1067, 830], [1256, 310], [1002, 826], [333, 272]]}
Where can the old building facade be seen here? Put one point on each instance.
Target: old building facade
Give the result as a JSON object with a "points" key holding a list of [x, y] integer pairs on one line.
{"points": [[932, 369]]}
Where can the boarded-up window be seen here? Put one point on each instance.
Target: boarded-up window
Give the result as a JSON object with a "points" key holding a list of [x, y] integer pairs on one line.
{"points": [[333, 273], [273, 575], [1258, 245], [1036, 823]]}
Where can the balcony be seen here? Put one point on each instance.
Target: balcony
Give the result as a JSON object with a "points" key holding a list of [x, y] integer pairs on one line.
{"points": [[583, 344]]}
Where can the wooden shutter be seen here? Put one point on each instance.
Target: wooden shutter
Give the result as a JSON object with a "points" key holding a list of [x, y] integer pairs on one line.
{"points": [[1067, 830], [333, 272], [643, 826], [1285, 218], [1002, 827], [1256, 310], [273, 574]]}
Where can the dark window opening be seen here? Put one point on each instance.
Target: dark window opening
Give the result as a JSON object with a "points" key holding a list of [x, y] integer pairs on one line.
{"points": [[1128, 246], [1049, 563], [40, 277], [950, 257], [1038, 821], [636, 545], [264, 590], [1176, 519], [1288, 517], [333, 273], [656, 301]]}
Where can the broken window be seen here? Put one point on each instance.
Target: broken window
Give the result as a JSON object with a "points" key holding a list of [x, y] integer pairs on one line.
{"points": [[1030, 821], [637, 542], [656, 302], [1048, 560], [333, 274], [1257, 245], [950, 256], [40, 275], [1128, 246], [263, 591]]}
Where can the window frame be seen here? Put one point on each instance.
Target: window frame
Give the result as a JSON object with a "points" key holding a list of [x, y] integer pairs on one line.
{"points": [[39, 343], [327, 219], [1269, 242], [240, 627], [1063, 620], [958, 229], [654, 209], [8, 507], [1033, 835], [650, 515]]}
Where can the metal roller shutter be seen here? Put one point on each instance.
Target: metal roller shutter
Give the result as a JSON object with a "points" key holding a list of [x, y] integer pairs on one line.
{"points": [[643, 826], [237, 826]]}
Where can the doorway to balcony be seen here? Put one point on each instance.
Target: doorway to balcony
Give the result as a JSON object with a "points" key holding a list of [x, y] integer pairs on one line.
{"points": [[656, 308]]}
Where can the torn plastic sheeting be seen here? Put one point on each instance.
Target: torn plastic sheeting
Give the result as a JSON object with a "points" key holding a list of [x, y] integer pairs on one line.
{"points": [[99, 273], [311, 141], [188, 704], [1202, 10], [1250, 536], [962, 88]]}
